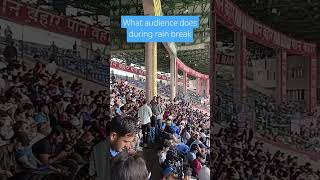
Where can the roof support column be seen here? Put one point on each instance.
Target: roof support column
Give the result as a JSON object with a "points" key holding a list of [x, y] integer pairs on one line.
{"points": [[151, 8], [185, 82], [151, 70], [173, 77], [282, 77], [199, 87], [207, 87], [313, 83], [240, 68], [240, 78]]}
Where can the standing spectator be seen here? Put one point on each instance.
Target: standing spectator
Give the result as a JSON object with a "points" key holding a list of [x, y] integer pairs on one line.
{"points": [[53, 51], [51, 67], [97, 53], [8, 34], [75, 47], [10, 53], [157, 110], [144, 115]]}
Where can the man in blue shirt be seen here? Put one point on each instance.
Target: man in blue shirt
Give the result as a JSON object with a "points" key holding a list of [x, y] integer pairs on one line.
{"points": [[121, 136]]}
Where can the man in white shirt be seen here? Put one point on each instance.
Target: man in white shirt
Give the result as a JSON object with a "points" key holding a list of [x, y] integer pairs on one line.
{"points": [[144, 115], [51, 68]]}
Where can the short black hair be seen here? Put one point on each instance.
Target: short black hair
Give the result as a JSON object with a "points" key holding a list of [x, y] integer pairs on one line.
{"points": [[57, 131], [123, 125], [194, 147], [166, 143], [200, 155], [128, 167], [23, 139]]}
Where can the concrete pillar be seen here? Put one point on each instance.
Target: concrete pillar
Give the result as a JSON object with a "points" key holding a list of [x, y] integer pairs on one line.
{"points": [[240, 67], [173, 77], [154, 89], [313, 83], [208, 87], [199, 87], [282, 77], [239, 93], [148, 63], [185, 81]]}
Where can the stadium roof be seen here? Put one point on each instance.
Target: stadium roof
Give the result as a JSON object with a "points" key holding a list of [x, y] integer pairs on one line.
{"points": [[193, 54], [296, 18]]}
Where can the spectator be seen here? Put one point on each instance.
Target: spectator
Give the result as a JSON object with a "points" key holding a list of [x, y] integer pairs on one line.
{"points": [[193, 151], [196, 164], [8, 34], [144, 115], [44, 150], [157, 110], [121, 134], [53, 51], [51, 68], [10, 53], [129, 167]]}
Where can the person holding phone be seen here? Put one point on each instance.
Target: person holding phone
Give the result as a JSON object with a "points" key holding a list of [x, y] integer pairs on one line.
{"points": [[121, 134]]}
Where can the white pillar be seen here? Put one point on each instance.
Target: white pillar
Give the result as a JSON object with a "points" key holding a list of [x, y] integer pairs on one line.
{"points": [[173, 77], [185, 81], [148, 63]]}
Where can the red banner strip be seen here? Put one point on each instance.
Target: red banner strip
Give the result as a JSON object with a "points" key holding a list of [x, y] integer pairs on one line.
{"points": [[231, 16], [24, 14]]}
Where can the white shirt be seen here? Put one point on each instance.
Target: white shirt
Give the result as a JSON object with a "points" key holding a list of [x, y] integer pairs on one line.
{"points": [[51, 68], [144, 114], [204, 173]]}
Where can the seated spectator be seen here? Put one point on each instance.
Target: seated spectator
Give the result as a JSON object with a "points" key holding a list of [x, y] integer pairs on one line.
{"points": [[197, 164], [6, 128], [163, 152], [193, 151], [169, 174], [44, 150], [129, 167], [24, 154]]}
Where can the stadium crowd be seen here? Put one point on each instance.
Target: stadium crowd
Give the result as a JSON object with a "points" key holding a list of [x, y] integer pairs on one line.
{"points": [[180, 131], [52, 129], [271, 122], [238, 157]]}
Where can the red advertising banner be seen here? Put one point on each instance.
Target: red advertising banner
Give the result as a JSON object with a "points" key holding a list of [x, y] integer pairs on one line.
{"points": [[24, 14], [191, 72], [133, 70], [232, 17]]}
